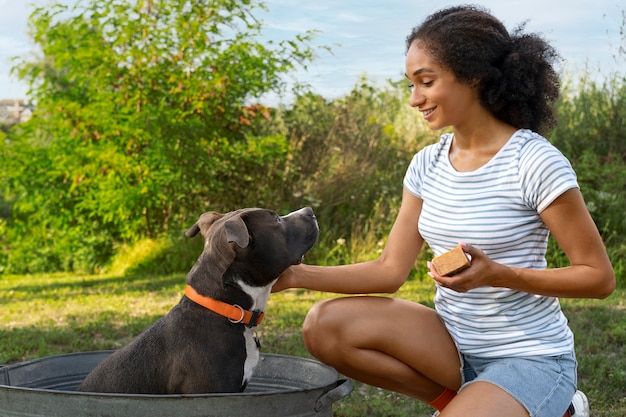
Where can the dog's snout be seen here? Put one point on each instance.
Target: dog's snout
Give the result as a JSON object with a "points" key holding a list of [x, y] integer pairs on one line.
{"points": [[308, 211], [305, 211]]}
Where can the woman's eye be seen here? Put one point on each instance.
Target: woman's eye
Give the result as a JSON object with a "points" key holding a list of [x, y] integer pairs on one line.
{"points": [[423, 83]]}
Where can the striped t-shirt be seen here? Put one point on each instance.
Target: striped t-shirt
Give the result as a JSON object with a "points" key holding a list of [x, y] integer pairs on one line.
{"points": [[496, 209]]}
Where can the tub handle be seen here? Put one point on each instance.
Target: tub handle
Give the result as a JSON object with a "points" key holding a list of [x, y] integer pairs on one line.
{"points": [[342, 389]]}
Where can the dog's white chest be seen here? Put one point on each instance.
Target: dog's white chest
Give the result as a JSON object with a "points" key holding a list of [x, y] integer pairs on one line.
{"points": [[259, 297], [252, 355]]}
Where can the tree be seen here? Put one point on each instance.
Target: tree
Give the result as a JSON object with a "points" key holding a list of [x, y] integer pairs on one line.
{"points": [[143, 121]]}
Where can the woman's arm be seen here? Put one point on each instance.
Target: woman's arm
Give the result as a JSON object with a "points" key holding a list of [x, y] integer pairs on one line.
{"points": [[383, 275], [590, 274]]}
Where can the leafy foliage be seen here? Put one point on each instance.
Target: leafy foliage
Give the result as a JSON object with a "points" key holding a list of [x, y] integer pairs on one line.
{"points": [[349, 159], [592, 134], [143, 121]]}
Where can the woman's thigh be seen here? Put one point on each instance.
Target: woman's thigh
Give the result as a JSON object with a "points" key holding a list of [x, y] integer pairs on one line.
{"points": [[388, 342], [543, 385], [486, 400]]}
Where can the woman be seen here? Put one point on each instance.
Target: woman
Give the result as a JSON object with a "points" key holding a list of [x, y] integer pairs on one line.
{"points": [[497, 343]]}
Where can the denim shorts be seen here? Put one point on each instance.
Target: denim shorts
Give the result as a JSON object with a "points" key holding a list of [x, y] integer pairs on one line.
{"points": [[544, 385]]}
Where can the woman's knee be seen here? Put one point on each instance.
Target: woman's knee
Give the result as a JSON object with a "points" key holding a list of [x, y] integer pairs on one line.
{"points": [[321, 327]]}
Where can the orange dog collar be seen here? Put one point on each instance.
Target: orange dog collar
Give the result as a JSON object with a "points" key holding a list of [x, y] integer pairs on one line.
{"points": [[234, 313]]}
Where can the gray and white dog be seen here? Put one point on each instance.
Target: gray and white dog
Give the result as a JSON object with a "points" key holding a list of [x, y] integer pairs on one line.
{"points": [[206, 343]]}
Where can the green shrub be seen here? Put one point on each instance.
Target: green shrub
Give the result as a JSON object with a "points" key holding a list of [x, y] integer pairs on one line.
{"points": [[344, 157], [592, 134], [143, 121], [349, 157], [167, 254]]}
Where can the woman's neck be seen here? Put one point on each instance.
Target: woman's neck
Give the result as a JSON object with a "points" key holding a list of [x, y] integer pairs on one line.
{"points": [[473, 146]]}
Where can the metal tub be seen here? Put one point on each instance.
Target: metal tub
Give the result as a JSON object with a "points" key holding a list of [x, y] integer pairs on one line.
{"points": [[281, 386]]}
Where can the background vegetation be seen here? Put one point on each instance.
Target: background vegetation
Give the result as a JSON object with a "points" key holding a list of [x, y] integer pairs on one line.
{"points": [[147, 115], [141, 124], [144, 120]]}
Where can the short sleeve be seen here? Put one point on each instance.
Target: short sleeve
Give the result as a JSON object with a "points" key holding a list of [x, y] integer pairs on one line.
{"points": [[545, 173], [421, 162], [414, 176]]}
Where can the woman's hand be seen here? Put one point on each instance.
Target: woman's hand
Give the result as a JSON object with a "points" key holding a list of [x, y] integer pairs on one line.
{"points": [[481, 273], [385, 274], [284, 280], [589, 275]]}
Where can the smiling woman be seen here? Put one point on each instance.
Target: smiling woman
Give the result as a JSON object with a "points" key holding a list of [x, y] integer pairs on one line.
{"points": [[437, 93], [512, 74], [497, 188]]}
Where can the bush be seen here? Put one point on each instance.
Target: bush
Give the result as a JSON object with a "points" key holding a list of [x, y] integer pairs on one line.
{"points": [[592, 134], [348, 160], [143, 122], [345, 157], [165, 255]]}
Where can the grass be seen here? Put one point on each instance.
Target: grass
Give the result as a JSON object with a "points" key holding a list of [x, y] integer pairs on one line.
{"points": [[43, 315]]}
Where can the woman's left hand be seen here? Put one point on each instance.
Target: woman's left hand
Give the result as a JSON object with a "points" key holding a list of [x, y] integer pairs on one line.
{"points": [[482, 272]]}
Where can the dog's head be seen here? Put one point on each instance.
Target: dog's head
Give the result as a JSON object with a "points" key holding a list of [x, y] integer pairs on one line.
{"points": [[252, 245]]}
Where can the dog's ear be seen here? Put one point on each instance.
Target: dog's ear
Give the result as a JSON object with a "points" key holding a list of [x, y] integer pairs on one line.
{"points": [[237, 231], [204, 222]]}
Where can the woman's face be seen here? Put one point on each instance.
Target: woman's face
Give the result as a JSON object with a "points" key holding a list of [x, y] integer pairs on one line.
{"points": [[438, 95]]}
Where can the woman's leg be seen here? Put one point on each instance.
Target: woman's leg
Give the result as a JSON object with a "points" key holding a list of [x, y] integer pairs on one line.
{"points": [[390, 343], [485, 400], [400, 346]]}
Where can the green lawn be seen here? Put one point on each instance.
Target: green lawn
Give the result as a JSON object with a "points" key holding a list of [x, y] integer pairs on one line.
{"points": [[43, 315]]}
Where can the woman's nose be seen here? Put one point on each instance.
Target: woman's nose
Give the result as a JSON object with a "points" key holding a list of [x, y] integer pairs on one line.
{"points": [[417, 98]]}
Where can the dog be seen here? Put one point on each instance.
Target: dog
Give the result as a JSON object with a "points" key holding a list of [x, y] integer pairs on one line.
{"points": [[206, 343]]}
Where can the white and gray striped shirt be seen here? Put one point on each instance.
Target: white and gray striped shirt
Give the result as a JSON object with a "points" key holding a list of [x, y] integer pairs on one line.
{"points": [[495, 208]]}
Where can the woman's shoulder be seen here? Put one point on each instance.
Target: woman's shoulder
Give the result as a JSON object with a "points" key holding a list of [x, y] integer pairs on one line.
{"points": [[528, 141], [427, 156], [544, 172], [531, 147], [423, 162], [437, 147]]}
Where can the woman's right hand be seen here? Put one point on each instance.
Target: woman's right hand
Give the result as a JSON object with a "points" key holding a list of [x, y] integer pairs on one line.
{"points": [[285, 280], [383, 275]]}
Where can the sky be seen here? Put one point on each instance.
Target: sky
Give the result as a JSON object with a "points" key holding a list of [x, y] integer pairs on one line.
{"points": [[367, 36]]}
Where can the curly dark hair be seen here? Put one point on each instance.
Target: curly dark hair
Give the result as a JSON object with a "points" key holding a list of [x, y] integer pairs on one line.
{"points": [[513, 72]]}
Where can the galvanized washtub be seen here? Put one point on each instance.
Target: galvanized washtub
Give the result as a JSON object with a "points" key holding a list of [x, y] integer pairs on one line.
{"points": [[281, 386]]}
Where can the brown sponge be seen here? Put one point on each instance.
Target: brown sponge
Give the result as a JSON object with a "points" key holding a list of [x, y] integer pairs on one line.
{"points": [[451, 262]]}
